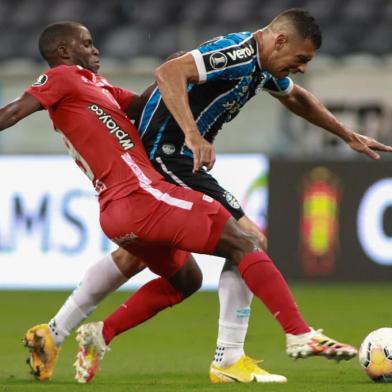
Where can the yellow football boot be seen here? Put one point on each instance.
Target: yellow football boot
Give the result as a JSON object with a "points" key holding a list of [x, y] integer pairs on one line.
{"points": [[245, 370], [43, 352]]}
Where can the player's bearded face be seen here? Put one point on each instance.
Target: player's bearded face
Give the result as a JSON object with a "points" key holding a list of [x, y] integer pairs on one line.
{"points": [[291, 57], [83, 51]]}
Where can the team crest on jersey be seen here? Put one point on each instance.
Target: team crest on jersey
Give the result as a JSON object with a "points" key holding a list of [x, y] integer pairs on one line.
{"points": [[127, 239], [232, 201], [218, 60], [99, 186], [40, 81], [168, 149]]}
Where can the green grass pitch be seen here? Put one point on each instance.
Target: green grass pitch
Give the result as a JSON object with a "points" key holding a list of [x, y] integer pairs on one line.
{"points": [[172, 352]]}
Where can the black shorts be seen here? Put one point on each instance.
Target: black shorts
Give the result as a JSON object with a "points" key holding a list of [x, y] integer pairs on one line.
{"points": [[178, 170]]}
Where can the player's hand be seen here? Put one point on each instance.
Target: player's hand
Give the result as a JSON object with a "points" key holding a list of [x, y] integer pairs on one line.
{"points": [[367, 145], [203, 151]]}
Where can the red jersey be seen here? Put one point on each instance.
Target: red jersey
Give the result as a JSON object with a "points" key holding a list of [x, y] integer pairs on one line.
{"points": [[89, 112]]}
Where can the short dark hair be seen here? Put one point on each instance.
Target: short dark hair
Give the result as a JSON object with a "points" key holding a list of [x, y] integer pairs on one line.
{"points": [[304, 23], [53, 35]]}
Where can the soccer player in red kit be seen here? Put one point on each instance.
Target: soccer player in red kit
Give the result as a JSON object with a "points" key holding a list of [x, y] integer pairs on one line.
{"points": [[156, 221]]}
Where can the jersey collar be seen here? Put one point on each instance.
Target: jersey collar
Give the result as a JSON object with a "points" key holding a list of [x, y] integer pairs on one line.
{"points": [[257, 51]]}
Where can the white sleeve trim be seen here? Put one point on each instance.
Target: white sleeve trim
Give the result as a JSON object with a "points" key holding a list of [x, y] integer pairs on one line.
{"points": [[201, 69], [290, 87], [282, 93]]}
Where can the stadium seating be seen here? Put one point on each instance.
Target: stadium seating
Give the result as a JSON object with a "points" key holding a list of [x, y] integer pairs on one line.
{"points": [[126, 29]]}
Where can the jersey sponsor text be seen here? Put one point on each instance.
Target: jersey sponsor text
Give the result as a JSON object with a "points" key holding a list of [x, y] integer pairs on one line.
{"points": [[243, 53], [122, 136]]}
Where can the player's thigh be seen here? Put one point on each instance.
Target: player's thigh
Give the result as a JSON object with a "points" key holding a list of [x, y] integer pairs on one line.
{"points": [[177, 266], [201, 227], [163, 260], [178, 170], [196, 229], [165, 215]]}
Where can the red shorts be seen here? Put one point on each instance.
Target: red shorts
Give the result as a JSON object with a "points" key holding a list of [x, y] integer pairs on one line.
{"points": [[162, 223]]}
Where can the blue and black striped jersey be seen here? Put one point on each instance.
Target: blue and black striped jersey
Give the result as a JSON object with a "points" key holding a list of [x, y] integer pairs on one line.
{"points": [[229, 74]]}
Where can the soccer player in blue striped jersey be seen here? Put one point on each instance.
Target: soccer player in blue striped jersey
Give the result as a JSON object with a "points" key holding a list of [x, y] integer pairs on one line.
{"points": [[229, 74], [202, 90]]}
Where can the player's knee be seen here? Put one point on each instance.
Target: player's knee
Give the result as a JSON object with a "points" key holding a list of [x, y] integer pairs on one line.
{"points": [[251, 242], [245, 243], [194, 283], [235, 243], [264, 243], [127, 263], [250, 227], [188, 279], [262, 239]]}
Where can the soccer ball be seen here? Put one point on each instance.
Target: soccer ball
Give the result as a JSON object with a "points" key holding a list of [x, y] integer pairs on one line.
{"points": [[375, 355]]}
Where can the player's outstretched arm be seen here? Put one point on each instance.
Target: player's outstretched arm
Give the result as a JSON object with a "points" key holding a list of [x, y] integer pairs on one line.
{"points": [[305, 104], [172, 78], [17, 110]]}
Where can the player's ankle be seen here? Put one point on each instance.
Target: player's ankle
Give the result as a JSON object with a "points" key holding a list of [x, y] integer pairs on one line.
{"points": [[57, 334], [108, 333], [300, 332], [226, 355], [299, 338]]}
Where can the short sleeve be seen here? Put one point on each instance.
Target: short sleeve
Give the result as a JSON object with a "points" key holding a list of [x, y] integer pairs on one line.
{"points": [[52, 86], [225, 57], [282, 86]]}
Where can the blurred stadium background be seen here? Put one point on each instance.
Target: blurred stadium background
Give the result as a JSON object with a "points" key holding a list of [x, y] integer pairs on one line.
{"points": [[297, 165], [328, 212], [350, 72]]}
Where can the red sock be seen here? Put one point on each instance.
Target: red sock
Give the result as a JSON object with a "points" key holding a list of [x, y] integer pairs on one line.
{"points": [[268, 284], [150, 299]]}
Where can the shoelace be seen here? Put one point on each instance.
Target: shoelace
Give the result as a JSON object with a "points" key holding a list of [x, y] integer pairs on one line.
{"points": [[252, 364]]}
